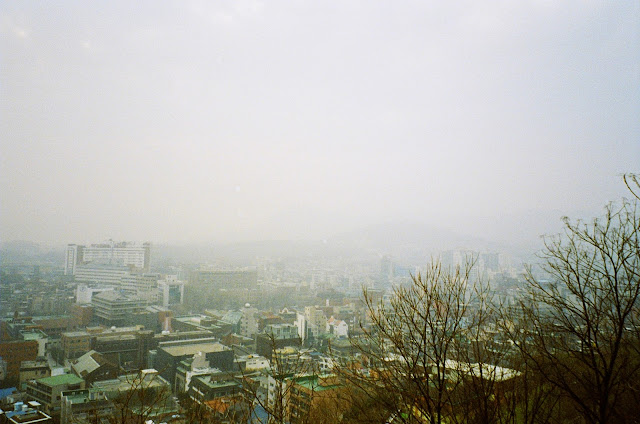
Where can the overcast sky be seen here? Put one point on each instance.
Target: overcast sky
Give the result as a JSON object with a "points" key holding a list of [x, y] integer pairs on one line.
{"points": [[236, 120]]}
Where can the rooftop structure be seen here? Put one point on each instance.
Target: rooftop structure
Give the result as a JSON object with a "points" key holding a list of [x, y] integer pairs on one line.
{"points": [[22, 413], [191, 367], [193, 347], [85, 406], [211, 386], [143, 379], [486, 371]]}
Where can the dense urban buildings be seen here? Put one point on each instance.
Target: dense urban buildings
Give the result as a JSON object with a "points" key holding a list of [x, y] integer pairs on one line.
{"points": [[269, 339]]}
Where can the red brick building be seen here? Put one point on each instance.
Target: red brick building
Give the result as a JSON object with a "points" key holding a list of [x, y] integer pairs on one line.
{"points": [[13, 353]]}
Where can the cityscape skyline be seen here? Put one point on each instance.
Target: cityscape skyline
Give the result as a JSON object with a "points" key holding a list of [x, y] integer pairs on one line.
{"points": [[250, 211]]}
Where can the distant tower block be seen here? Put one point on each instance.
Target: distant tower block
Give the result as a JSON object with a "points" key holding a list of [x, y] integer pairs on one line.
{"points": [[109, 253]]}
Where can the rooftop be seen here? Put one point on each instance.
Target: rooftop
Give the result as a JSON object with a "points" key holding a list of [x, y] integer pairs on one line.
{"points": [[193, 348], [317, 383], [483, 370], [25, 365], [102, 331], [88, 363], [59, 380], [211, 381], [33, 335], [27, 416], [113, 296], [145, 378], [83, 396]]}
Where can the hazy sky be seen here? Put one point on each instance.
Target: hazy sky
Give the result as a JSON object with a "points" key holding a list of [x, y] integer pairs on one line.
{"points": [[225, 120]]}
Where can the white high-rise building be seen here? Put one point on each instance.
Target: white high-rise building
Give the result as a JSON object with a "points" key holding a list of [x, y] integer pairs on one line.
{"points": [[171, 290], [110, 275], [135, 283], [127, 254], [316, 320]]}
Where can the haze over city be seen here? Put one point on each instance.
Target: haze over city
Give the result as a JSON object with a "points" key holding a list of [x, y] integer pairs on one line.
{"points": [[327, 212], [245, 120]]}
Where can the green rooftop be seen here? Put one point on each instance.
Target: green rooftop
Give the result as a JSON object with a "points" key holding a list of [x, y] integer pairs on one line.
{"points": [[62, 379], [315, 383]]}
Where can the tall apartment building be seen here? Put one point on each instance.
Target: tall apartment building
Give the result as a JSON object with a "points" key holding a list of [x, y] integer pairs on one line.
{"points": [[171, 291], [316, 320], [110, 253], [248, 321], [102, 274], [97, 278]]}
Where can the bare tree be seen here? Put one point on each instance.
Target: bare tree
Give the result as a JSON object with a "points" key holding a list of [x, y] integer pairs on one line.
{"points": [[531, 399], [285, 363], [581, 324], [142, 396], [489, 381], [421, 347]]}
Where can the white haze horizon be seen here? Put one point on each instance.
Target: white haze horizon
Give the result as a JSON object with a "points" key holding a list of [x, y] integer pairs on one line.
{"points": [[200, 122]]}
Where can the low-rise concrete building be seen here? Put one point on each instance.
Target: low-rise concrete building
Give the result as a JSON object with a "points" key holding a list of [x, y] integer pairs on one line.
{"points": [[48, 391], [189, 368], [213, 386], [141, 396], [170, 354], [21, 413], [76, 343], [85, 406], [33, 370], [309, 394], [277, 336], [93, 366], [114, 308]]}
